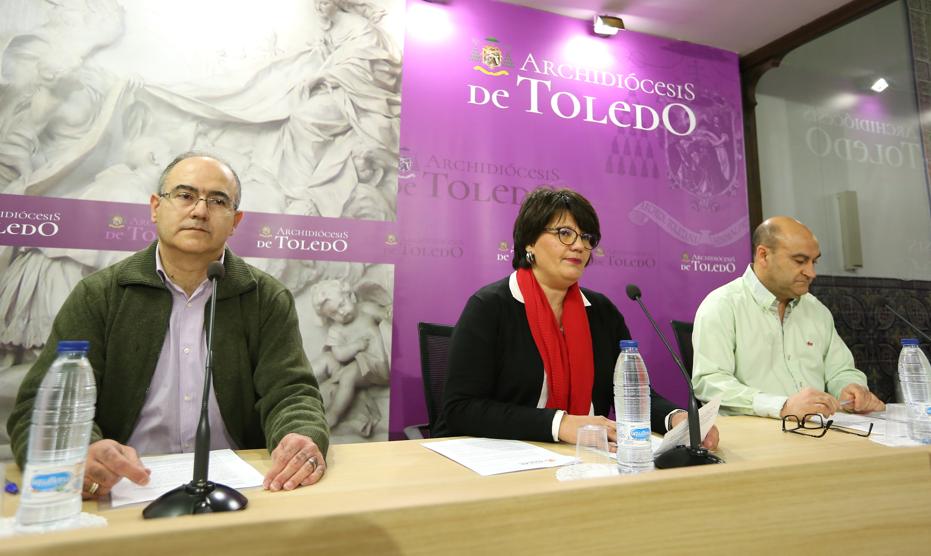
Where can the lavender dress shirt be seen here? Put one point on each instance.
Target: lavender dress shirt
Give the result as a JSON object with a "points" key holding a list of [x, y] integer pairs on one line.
{"points": [[168, 421]]}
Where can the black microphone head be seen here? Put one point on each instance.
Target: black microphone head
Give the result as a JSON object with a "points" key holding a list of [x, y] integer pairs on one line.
{"points": [[215, 271], [633, 292]]}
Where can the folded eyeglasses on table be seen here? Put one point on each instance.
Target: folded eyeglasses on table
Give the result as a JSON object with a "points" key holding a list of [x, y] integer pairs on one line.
{"points": [[814, 425]]}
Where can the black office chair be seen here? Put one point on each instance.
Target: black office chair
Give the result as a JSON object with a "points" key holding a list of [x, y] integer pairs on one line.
{"points": [[683, 331], [434, 366]]}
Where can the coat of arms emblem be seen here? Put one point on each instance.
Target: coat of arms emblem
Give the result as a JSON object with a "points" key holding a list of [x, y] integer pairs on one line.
{"points": [[706, 163], [491, 56]]}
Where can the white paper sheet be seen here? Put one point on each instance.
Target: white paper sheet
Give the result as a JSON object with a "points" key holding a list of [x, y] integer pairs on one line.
{"points": [[171, 471], [888, 432], [860, 422], [488, 456], [680, 433]]}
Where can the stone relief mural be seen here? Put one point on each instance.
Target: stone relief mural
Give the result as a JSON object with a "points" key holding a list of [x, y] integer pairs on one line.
{"points": [[302, 98]]}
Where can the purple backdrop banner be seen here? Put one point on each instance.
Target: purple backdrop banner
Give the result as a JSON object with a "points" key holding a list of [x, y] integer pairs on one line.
{"points": [[499, 99], [30, 221]]}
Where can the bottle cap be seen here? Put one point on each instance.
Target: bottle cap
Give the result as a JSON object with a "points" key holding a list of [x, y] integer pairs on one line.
{"points": [[73, 345], [909, 341], [628, 344]]}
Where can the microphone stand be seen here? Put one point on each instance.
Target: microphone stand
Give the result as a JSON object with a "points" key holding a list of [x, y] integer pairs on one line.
{"points": [[680, 456], [200, 496]]}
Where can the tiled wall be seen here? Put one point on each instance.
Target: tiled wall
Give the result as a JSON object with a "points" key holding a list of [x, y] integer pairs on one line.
{"points": [[872, 331]]}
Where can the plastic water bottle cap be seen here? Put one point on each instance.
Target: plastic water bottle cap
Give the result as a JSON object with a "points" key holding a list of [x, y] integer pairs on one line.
{"points": [[628, 344], [73, 345], [909, 341]]}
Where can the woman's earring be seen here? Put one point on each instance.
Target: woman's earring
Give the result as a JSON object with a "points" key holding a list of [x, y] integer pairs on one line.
{"points": [[530, 258]]}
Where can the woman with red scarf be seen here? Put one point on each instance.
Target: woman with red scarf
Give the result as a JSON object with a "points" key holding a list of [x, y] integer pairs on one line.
{"points": [[532, 356]]}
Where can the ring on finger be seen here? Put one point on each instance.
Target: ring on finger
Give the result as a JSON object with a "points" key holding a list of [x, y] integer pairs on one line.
{"points": [[312, 461], [93, 488]]}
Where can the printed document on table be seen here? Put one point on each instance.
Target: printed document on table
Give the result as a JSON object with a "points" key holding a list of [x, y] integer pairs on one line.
{"points": [[860, 422], [174, 470], [488, 456], [680, 433], [886, 431]]}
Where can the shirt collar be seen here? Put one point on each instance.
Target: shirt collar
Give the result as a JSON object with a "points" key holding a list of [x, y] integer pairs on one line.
{"points": [[761, 294], [516, 293], [160, 270]]}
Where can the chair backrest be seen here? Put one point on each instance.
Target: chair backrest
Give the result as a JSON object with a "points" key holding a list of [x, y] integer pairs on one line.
{"points": [[683, 331], [434, 364]]}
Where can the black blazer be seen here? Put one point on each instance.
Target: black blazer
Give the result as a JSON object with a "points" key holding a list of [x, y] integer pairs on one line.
{"points": [[496, 373]]}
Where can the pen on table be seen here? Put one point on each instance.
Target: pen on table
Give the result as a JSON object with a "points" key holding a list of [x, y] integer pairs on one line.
{"points": [[11, 487]]}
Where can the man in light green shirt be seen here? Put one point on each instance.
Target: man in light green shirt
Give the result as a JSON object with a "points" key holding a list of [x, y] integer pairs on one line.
{"points": [[766, 346]]}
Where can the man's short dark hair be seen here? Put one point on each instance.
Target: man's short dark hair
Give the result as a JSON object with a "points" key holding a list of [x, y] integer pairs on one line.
{"points": [[201, 154], [539, 208]]}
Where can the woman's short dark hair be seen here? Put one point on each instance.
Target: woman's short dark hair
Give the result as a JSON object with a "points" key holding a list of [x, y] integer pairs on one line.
{"points": [[539, 208]]}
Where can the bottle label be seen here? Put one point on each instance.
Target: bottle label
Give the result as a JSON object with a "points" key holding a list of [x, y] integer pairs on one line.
{"points": [[636, 433], [53, 478], [640, 434]]}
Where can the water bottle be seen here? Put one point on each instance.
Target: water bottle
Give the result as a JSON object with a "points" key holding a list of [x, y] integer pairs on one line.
{"points": [[62, 418], [915, 377], [632, 410]]}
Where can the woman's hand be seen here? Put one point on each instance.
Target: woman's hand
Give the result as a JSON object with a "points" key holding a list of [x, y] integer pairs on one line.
{"points": [[569, 426]]}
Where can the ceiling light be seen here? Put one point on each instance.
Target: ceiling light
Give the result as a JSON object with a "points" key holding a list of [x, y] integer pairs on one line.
{"points": [[429, 22], [880, 85], [607, 25]]}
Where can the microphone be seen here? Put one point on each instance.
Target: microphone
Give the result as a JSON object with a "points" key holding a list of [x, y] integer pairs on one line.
{"points": [[680, 456], [909, 323], [201, 496], [215, 272]]}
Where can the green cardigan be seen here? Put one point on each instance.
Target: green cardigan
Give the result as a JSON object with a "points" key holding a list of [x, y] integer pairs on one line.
{"points": [[263, 381]]}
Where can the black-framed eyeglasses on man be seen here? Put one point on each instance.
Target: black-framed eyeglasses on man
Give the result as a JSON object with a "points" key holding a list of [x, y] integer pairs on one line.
{"points": [[186, 197], [814, 425], [567, 236]]}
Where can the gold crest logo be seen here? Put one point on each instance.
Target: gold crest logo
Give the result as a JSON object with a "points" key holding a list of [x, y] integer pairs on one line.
{"points": [[503, 246], [117, 222], [407, 164], [489, 55], [391, 239], [685, 257], [266, 231], [599, 252]]}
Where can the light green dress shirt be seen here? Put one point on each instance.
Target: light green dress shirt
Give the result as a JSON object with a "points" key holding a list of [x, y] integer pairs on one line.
{"points": [[753, 362]]}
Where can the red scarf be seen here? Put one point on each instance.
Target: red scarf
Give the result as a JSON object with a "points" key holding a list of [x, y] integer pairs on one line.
{"points": [[567, 359]]}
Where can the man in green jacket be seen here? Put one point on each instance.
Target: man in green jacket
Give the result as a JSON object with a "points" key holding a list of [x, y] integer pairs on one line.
{"points": [[144, 318]]}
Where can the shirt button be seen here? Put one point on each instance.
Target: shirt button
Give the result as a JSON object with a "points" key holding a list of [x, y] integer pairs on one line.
{"points": [[188, 304], [187, 350], [187, 398]]}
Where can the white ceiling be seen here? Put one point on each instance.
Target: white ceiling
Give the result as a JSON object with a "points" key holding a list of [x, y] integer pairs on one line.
{"points": [[740, 26]]}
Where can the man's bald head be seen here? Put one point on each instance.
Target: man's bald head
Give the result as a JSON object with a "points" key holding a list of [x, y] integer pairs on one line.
{"points": [[784, 256], [773, 231]]}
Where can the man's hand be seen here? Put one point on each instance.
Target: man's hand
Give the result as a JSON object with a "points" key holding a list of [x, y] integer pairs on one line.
{"points": [[296, 461], [569, 426], [109, 461], [861, 399], [810, 400], [710, 442]]}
